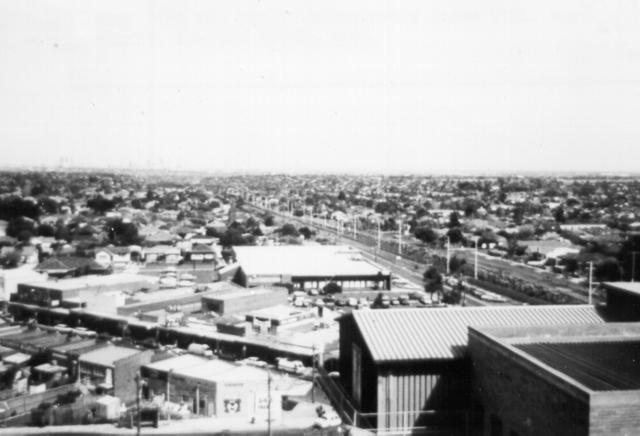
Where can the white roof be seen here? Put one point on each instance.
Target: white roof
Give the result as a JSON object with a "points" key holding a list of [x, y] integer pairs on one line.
{"points": [[89, 281], [304, 260], [107, 356]]}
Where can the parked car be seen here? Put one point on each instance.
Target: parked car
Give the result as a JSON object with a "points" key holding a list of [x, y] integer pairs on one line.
{"points": [[200, 349], [294, 366], [254, 361]]}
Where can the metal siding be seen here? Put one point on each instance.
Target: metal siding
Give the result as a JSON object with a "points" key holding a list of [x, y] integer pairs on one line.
{"points": [[402, 398], [420, 334]]}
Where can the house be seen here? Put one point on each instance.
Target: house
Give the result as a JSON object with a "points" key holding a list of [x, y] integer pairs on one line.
{"points": [[113, 369], [113, 257], [200, 253], [162, 254], [160, 237], [63, 266]]}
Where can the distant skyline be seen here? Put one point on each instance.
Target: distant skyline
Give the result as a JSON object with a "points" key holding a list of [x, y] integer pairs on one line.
{"points": [[364, 86]]}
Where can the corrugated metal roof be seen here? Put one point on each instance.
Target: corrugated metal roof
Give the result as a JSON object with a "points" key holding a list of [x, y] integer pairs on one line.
{"points": [[421, 334]]}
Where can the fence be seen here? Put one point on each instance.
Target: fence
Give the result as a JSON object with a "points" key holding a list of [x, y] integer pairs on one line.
{"points": [[24, 403]]}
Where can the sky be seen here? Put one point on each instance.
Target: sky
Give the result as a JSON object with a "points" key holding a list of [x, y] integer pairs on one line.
{"points": [[399, 86]]}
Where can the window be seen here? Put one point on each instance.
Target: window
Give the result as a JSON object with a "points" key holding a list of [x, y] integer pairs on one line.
{"points": [[356, 368]]}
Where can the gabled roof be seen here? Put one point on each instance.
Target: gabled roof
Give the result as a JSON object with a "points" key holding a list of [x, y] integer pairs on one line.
{"points": [[423, 334], [68, 263]]}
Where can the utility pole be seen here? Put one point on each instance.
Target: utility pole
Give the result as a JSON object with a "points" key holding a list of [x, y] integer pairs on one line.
{"points": [[313, 374], [400, 237], [633, 265], [448, 248], [168, 392], [378, 235], [355, 227], [590, 281], [137, 378], [475, 264], [268, 402]]}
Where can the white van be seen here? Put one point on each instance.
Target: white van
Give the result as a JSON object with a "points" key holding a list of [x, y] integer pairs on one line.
{"points": [[200, 350], [294, 366]]}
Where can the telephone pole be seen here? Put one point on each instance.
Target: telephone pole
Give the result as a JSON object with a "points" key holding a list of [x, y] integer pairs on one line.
{"points": [[590, 281]]}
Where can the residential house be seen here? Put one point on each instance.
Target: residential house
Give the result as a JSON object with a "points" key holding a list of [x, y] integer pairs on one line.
{"points": [[113, 257], [162, 254]]}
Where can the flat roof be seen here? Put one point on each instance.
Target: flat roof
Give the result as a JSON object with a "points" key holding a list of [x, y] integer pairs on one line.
{"points": [[209, 370], [90, 281], [280, 311], [628, 287], [176, 363], [75, 345], [107, 355], [600, 366], [305, 260], [442, 333], [240, 293]]}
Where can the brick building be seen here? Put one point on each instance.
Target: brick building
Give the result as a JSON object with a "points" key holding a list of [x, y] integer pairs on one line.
{"points": [[563, 380], [113, 368]]}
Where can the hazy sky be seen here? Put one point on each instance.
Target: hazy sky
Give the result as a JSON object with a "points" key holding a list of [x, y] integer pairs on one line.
{"points": [[346, 85]]}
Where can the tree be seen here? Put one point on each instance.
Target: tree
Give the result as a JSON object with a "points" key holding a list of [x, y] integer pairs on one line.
{"points": [[18, 225], [455, 235], [432, 281], [558, 214], [454, 220], [100, 204], [232, 237], [122, 233], [305, 231], [10, 259], [269, 221], [426, 234], [332, 288], [456, 263], [46, 230], [626, 256], [608, 270], [289, 230]]}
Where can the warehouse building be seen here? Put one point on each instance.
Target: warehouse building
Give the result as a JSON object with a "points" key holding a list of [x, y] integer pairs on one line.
{"points": [[569, 380], [213, 387], [72, 292], [242, 300], [308, 266], [403, 367]]}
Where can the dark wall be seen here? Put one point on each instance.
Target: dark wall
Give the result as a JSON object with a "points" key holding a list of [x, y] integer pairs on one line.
{"points": [[622, 306], [521, 398], [350, 334]]}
